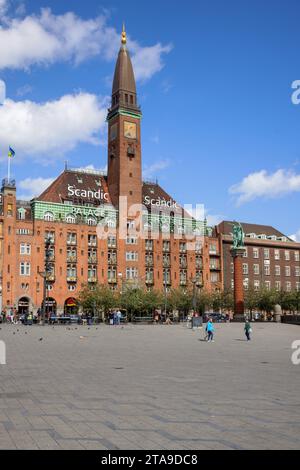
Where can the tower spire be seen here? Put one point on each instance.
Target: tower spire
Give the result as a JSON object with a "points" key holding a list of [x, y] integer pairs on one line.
{"points": [[124, 37]]}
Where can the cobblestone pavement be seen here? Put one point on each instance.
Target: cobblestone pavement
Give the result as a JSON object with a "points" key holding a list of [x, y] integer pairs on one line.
{"points": [[149, 387]]}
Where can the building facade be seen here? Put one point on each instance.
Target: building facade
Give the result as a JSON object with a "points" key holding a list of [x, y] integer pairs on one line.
{"points": [[113, 229], [116, 229], [271, 260]]}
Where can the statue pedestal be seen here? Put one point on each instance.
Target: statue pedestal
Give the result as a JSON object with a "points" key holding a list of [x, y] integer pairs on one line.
{"points": [[237, 255]]}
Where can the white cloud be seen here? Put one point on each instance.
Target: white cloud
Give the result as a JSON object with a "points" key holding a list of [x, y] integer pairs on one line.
{"points": [[47, 38], [2, 92], [296, 236], [3, 6], [33, 187], [24, 90], [267, 185], [47, 130], [148, 60], [152, 170]]}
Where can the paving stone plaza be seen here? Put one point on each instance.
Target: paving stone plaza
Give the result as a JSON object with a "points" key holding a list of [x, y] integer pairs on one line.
{"points": [[149, 387]]}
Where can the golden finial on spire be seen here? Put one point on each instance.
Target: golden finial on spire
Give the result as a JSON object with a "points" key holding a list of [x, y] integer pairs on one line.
{"points": [[124, 38]]}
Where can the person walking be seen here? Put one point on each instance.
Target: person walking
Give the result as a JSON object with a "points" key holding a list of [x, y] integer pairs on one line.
{"points": [[248, 330], [210, 329]]}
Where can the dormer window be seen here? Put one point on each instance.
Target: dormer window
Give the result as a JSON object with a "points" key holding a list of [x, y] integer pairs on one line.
{"points": [[70, 219], [21, 213], [49, 217]]}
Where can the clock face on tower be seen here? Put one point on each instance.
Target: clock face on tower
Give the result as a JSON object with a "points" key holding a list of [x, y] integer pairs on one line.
{"points": [[130, 130]]}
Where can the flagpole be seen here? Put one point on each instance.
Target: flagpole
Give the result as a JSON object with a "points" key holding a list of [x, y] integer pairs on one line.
{"points": [[8, 170]]}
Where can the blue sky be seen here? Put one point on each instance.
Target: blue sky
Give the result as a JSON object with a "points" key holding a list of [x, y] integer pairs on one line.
{"points": [[214, 81]]}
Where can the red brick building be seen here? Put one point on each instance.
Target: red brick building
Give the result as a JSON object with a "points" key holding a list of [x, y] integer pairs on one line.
{"points": [[271, 260], [112, 229]]}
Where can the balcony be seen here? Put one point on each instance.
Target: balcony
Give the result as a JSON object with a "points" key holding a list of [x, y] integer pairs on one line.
{"points": [[215, 267], [183, 282], [71, 278], [149, 282], [112, 245], [71, 242], [214, 253], [92, 260], [92, 280], [112, 280], [92, 243], [50, 278], [112, 261], [72, 259], [149, 262]]}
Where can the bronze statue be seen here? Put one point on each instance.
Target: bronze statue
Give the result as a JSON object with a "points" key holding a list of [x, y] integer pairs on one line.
{"points": [[238, 236]]}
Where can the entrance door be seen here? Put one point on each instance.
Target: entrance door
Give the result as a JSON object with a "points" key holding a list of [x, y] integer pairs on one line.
{"points": [[23, 306], [71, 306]]}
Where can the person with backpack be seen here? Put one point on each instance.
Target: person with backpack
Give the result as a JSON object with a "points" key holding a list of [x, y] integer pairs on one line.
{"points": [[210, 329]]}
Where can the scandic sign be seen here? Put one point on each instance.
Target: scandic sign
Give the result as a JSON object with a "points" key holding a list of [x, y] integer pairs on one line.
{"points": [[101, 195], [87, 194]]}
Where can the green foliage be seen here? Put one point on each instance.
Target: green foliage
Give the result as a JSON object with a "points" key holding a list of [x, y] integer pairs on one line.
{"points": [[98, 299]]}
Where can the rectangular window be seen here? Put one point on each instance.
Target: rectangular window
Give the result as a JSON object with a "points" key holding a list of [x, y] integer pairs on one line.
{"points": [[255, 253], [149, 245], [287, 271], [268, 285], [25, 249], [297, 271], [267, 270], [92, 240], [111, 242], [131, 256], [277, 255], [287, 255], [296, 254], [256, 285], [24, 269], [266, 253], [256, 269], [245, 268], [131, 241], [288, 286], [277, 271], [277, 285], [132, 273]]}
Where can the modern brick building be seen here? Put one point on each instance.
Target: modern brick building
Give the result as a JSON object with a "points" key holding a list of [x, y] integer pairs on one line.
{"points": [[272, 259], [112, 229]]}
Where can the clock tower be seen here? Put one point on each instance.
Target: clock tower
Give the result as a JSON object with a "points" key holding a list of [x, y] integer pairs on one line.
{"points": [[124, 134]]}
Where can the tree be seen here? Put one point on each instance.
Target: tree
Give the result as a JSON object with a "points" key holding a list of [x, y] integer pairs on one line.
{"points": [[181, 300], [251, 300], [227, 300], [96, 299]]}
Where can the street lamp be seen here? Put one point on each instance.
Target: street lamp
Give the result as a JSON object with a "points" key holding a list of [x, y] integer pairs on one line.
{"points": [[44, 275], [165, 286], [120, 276]]}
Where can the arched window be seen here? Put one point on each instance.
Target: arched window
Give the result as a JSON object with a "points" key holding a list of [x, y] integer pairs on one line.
{"points": [[49, 216], [70, 219], [91, 221]]}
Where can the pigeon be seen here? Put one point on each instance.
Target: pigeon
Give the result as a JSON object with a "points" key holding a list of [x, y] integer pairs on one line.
{"points": [[41, 339]]}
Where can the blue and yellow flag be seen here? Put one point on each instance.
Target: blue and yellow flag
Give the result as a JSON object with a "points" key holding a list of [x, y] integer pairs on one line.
{"points": [[11, 153]]}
